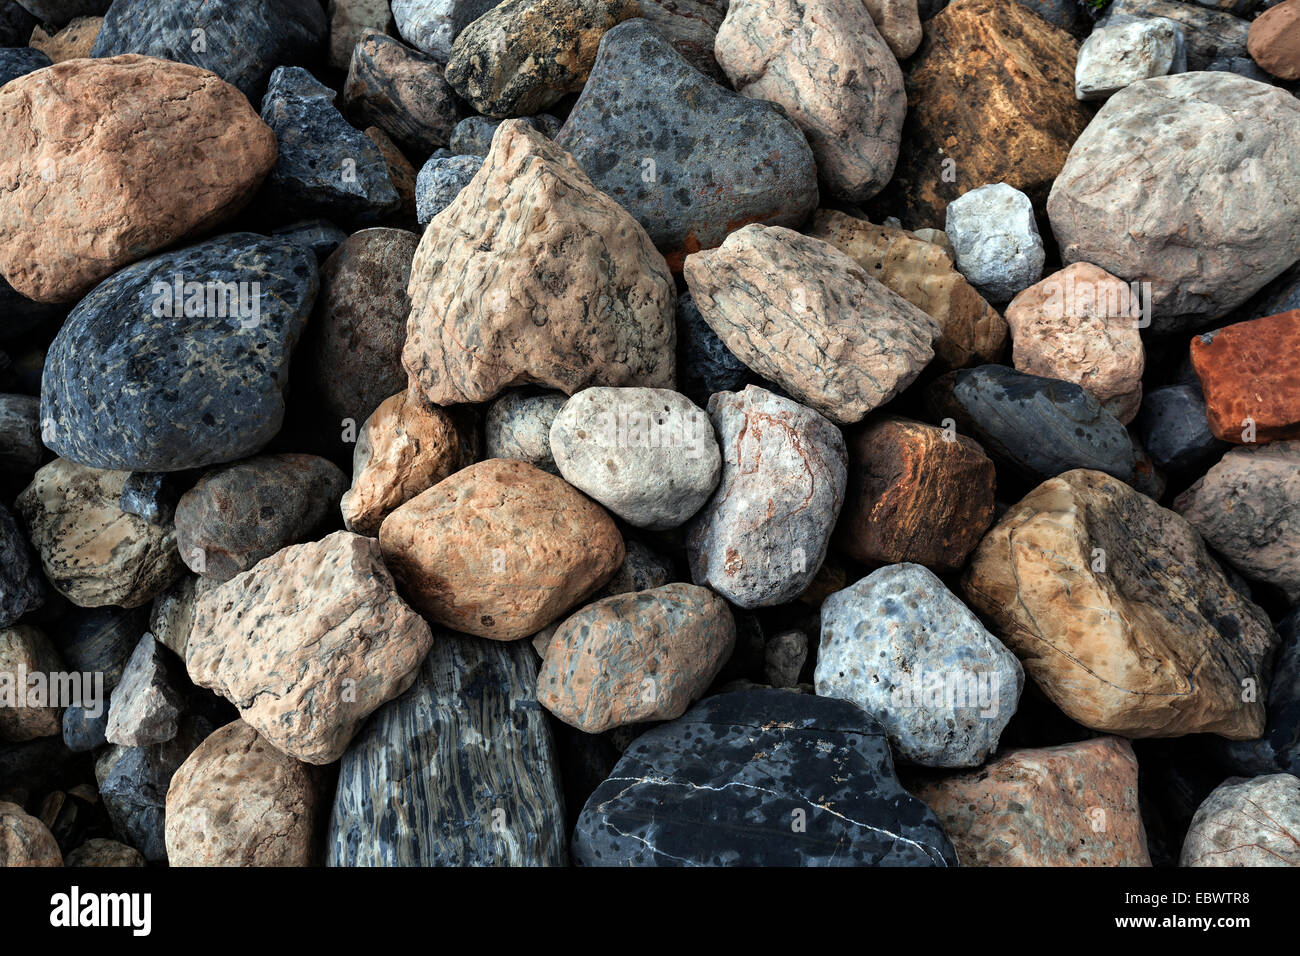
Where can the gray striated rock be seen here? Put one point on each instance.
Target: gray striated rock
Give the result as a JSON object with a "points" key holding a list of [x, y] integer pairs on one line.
{"points": [[1175, 431], [319, 236], [147, 704], [433, 25], [1113, 57], [440, 181], [21, 587], [996, 240], [402, 91], [1247, 823], [1210, 34]]}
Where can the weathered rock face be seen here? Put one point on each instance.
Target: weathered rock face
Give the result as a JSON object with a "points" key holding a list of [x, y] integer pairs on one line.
{"points": [[1201, 134], [899, 22], [825, 63], [915, 496], [308, 643], [971, 332], [1113, 57], [518, 426], [995, 240], [1274, 40], [721, 785], [533, 275], [1174, 430], [147, 703], [92, 552], [440, 181], [148, 374], [351, 21], [104, 853], [469, 749], [24, 840], [805, 315], [1210, 35], [691, 26], [523, 55], [985, 65], [1073, 805], [1247, 823], [1247, 507], [237, 515], [21, 587], [1250, 376], [237, 801], [100, 168], [732, 160], [73, 42], [635, 657], [402, 91], [1081, 325], [433, 25], [1118, 613], [407, 446], [26, 652], [763, 535], [500, 549]]}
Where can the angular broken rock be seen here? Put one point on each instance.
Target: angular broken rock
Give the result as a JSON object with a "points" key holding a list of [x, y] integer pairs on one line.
{"points": [[762, 537], [800, 312], [1253, 822], [99, 168], [995, 240], [24, 840], [1112, 57], [519, 426], [1118, 613], [1210, 34], [22, 588], [308, 643], [532, 275], [500, 549], [26, 652], [402, 91], [1250, 376], [825, 63], [147, 704]]}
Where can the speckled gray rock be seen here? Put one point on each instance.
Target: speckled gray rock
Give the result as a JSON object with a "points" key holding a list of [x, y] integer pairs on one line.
{"points": [[647, 454], [996, 240], [19, 61], [150, 495], [473, 135], [1174, 429], [1210, 33], [402, 91], [241, 41], [691, 160], [907, 651], [433, 25], [759, 778], [470, 749], [326, 167], [21, 586], [704, 364], [1113, 57], [763, 535], [1247, 823], [519, 426], [440, 181], [128, 388], [147, 704]]}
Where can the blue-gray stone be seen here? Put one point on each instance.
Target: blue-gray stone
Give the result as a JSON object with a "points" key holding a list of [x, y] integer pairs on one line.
{"points": [[19, 61], [83, 730], [704, 364], [319, 235], [433, 25], [1241, 65], [440, 181], [241, 41], [132, 383], [22, 588], [1279, 747], [1174, 429], [149, 495], [16, 24], [760, 778], [473, 135], [100, 640], [59, 12]]}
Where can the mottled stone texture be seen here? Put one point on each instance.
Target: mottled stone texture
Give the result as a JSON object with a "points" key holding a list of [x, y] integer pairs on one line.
{"points": [[103, 165], [104, 853], [800, 312], [824, 61], [22, 588], [518, 426], [1072, 805], [500, 549], [1118, 613], [1274, 40], [73, 42], [691, 26], [308, 644], [147, 703], [725, 784], [1185, 182], [899, 22], [1250, 376], [26, 651], [402, 91], [915, 495], [1210, 35], [1247, 823], [458, 771], [532, 275], [24, 840]]}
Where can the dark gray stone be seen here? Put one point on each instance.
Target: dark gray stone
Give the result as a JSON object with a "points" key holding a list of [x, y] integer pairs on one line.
{"points": [[1173, 427], [20, 315], [704, 364], [1069, 15], [319, 235], [1242, 66], [1210, 34], [473, 135], [1279, 747], [101, 640], [125, 388], [83, 729], [150, 495], [21, 451], [22, 588], [16, 24], [759, 778], [19, 61], [1280, 295], [401, 91], [59, 12], [440, 181]]}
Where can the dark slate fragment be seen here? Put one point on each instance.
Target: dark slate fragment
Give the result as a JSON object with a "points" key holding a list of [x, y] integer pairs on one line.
{"points": [[16, 24], [704, 364], [19, 61], [401, 91], [149, 495], [128, 387], [84, 728], [318, 235], [1068, 15], [1174, 429], [58, 12], [22, 588], [473, 135], [101, 640], [458, 771], [1242, 66], [19, 314], [1278, 750], [1040, 427], [241, 41], [760, 778], [440, 182]]}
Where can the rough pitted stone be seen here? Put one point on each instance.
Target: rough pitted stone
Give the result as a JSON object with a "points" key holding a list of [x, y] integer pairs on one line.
{"points": [[404, 448], [720, 786], [1113, 57], [1174, 430], [24, 840], [126, 387], [402, 91], [534, 276], [636, 657], [1072, 805], [237, 801], [19, 61], [800, 312], [1247, 823], [1209, 34], [1213, 162], [523, 55], [351, 21], [243, 40], [308, 643], [118, 137], [471, 748], [763, 535], [899, 23], [1038, 426], [519, 426], [440, 181], [21, 587], [902, 647], [995, 240], [104, 853], [1118, 613], [24, 652], [433, 25], [92, 552], [147, 703], [473, 135], [691, 26], [1274, 40], [915, 496], [1250, 376], [825, 63], [239, 514], [500, 549], [73, 42], [730, 160], [647, 454], [1247, 508], [704, 364]]}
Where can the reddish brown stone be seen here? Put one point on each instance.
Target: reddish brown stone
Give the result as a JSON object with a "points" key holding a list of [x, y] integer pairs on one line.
{"points": [[1274, 40], [1251, 370], [915, 496]]}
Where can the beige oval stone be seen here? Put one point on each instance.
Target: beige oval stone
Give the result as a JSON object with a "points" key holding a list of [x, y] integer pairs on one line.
{"points": [[24, 652], [24, 840]]}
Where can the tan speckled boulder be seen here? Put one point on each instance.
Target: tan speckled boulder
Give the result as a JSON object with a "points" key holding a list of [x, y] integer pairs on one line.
{"points": [[104, 853], [73, 42], [24, 840], [26, 650]]}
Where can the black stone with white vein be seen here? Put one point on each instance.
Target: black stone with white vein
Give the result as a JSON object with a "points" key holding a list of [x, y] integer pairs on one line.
{"points": [[458, 771], [760, 778]]}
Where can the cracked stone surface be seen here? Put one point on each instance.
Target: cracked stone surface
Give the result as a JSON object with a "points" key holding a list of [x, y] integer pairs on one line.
{"points": [[1247, 823]]}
